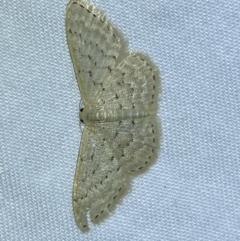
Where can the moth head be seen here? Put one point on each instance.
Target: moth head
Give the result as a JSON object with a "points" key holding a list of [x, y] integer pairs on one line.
{"points": [[81, 115]]}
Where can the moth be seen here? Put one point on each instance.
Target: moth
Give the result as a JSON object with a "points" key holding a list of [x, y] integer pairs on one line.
{"points": [[119, 91]]}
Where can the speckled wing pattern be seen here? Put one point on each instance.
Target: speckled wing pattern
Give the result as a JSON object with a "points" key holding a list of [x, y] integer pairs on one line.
{"points": [[119, 90]]}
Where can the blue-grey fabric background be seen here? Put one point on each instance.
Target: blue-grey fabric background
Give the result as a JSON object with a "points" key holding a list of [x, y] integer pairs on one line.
{"points": [[192, 192]]}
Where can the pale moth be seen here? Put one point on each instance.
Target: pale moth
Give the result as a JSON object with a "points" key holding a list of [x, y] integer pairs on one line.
{"points": [[119, 91]]}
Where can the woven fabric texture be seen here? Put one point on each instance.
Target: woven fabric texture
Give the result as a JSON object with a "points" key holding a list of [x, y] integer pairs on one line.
{"points": [[192, 192]]}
